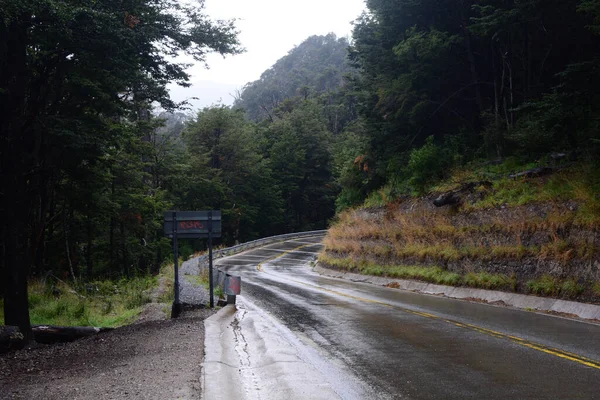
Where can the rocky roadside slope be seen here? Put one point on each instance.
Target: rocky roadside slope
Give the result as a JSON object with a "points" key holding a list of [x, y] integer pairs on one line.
{"points": [[543, 248]]}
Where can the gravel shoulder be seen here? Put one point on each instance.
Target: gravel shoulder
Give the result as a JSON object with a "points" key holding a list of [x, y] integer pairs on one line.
{"points": [[154, 358], [149, 360]]}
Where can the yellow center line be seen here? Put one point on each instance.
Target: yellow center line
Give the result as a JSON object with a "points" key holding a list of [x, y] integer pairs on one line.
{"points": [[259, 266], [515, 339]]}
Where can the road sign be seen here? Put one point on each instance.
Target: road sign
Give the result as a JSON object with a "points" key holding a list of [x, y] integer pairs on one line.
{"points": [[192, 224]]}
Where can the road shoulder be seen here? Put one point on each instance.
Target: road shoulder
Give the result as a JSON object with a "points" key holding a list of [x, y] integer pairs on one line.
{"points": [[572, 309], [151, 360], [249, 355]]}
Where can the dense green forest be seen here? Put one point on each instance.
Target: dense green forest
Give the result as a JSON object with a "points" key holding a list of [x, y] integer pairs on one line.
{"points": [[87, 168]]}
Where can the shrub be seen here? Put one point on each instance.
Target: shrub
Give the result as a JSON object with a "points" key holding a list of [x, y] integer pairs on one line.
{"points": [[426, 165], [486, 280], [570, 288], [545, 286]]}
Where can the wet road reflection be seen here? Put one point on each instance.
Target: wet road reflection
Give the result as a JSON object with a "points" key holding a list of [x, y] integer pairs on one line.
{"points": [[408, 345]]}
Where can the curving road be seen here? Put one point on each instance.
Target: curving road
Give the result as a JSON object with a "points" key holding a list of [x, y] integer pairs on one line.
{"points": [[365, 341]]}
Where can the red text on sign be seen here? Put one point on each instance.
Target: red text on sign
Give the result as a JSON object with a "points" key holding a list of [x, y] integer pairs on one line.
{"points": [[190, 225]]}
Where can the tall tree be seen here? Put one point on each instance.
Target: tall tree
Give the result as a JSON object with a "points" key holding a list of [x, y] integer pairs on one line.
{"points": [[300, 153], [229, 172], [69, 72]]}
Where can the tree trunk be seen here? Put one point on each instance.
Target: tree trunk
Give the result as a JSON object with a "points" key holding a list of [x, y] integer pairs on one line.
{"points": [[497, 130], [16, 302], [471, 57], [16, 195], [89, 251], [66, 228], [124, 253], [111, 234]]}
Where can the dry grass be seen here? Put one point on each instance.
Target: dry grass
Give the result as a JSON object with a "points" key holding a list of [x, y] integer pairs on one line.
{"points": [[425, 234]]}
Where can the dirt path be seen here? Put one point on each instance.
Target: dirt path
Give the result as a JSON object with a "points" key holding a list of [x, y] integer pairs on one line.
{"points": [[149, 360]]}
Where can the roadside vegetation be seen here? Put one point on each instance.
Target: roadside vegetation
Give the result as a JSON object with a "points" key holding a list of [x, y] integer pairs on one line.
{"points": [[540, 232], [107, 304], [432, 274], [423, 101], [97, 303]]}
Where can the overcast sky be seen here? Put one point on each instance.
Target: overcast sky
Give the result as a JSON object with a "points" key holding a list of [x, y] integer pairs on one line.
{"points": [[268, 30]]}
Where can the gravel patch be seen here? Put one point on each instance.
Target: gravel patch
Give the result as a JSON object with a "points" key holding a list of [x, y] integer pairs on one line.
{"points": [[189, 293], [149, 360]]}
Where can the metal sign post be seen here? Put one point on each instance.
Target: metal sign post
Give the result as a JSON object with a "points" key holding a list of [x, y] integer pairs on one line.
{"points": [[176, 309], [191, 225], [210, 262]]}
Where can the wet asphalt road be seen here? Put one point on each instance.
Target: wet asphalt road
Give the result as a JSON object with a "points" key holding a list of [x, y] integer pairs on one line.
{"points": [[408, 345]]}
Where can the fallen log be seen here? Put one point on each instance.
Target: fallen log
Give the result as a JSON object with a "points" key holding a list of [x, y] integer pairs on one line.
{"points": [[60, 334], [10, 339], [533, 173], [455, 197]]}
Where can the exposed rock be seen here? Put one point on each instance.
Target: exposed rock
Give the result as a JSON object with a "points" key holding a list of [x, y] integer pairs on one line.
{"points": [[458, 196], [11, 338]]}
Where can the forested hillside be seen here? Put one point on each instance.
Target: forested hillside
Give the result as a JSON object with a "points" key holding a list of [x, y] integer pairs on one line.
{"points": [[314, 68], [442, 83], [425, 91]]}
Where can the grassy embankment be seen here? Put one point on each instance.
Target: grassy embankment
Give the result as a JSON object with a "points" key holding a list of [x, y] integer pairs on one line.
{"points": [[100, 303], [536, 235]]}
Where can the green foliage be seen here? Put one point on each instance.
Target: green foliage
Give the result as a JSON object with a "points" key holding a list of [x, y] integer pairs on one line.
{"points": [[428, 274], [592, 8], [299, 151], [486, 280], [426, 165], [578, 183], [487, 74], [228, 170], [350, 166], [546, 286], [100, 303], [570, 288]]}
